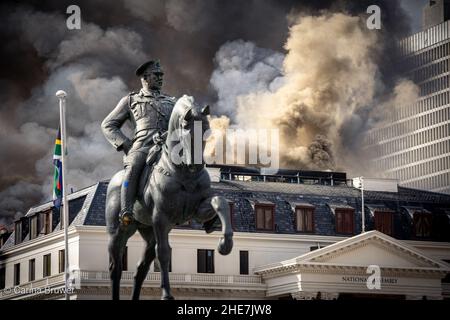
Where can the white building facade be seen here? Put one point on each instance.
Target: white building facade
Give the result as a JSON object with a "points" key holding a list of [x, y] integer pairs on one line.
{"points": [[264, 264], [279, 266]]}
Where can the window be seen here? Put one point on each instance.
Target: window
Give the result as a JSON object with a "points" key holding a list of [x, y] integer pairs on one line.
{"points": [[47, 266], [18, 232], [422, 224], [17, 274], [205, 261], [47, 217], [125, 259], [344, 221], [61, 261], [2, 278], [243, 262], [264, 217], [34, 227], [304, 217], [3, 237], [383, 222], [32, 270]]}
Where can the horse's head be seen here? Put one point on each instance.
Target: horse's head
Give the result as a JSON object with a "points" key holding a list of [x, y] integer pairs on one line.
{"points": [[187, 126]]}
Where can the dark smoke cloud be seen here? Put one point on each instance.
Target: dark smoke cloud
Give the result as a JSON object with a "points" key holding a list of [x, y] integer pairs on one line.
{"points": [[320, 153], [95, 66]]}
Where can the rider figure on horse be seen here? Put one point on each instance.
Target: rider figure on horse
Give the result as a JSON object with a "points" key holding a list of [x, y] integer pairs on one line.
{"points": [[149, 112]]}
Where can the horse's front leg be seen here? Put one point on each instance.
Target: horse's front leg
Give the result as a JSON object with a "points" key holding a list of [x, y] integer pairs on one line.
{"points": [[161, 227], [208, 210]]}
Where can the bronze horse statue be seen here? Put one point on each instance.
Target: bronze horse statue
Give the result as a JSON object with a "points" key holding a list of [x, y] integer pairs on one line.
{"points": [[176, 191]]}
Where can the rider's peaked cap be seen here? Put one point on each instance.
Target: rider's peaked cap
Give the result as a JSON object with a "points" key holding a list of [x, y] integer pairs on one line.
{"points": [[153, 65]]}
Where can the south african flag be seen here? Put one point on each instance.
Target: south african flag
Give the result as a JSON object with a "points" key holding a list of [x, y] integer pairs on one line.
{"points": [[57, 180]]}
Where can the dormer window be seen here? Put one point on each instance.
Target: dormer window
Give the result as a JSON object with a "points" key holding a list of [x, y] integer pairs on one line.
{"points": [[304, 217], [34, 225], [383, 218], [420, 221], [422, 224], [344, 218], [47, 222], [264, 216], [383, 221], [18, 232], [344, 221]]}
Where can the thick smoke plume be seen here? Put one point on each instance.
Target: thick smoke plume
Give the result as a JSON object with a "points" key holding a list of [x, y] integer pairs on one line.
{"points": [[318, 94], [204, 47]]}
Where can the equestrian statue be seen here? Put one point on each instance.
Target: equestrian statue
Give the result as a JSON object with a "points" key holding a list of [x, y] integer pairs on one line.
{"points": [[163, 183]]}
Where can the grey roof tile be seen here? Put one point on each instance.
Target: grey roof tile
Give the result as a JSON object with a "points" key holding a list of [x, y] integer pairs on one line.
{"points": [[88, 205]]}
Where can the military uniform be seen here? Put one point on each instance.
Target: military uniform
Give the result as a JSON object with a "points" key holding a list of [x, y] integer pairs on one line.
{"points": [[149, 113]]}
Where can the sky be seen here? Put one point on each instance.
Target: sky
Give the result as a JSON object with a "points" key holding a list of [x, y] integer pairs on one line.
{"points": [[313, 70]]}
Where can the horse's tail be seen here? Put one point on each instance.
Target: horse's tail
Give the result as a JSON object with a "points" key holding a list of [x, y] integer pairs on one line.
{"points": [[112, 205]]}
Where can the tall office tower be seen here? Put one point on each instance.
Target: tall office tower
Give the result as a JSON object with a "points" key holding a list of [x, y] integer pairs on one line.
{"points": [[436, 12], [413, 145]]}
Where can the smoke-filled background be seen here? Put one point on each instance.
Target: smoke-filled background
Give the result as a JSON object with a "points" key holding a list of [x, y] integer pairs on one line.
{"points": [[310, 68]]}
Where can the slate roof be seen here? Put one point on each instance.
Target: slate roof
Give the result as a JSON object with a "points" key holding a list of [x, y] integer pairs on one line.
{"points": [[87, 206]]}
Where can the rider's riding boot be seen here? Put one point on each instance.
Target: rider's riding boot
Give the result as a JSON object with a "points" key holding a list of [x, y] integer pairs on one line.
{"points": [[133, 167], [126, 217], [128, 195]]}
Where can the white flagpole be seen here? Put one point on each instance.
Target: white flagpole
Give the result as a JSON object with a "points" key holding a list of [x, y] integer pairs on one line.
{"points": [[363, 216], [62, 118]]}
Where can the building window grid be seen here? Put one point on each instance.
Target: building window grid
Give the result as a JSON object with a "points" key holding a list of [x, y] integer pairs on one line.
{"points": [[439, 181], [421, 106], [425, 57], [422, 138], [422, 169]]}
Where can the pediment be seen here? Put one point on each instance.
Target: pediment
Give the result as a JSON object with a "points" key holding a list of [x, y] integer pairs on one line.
{"points": [[371, 248]]}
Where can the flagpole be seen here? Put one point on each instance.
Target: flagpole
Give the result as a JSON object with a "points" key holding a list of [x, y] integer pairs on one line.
{"points": [[62, 119]]}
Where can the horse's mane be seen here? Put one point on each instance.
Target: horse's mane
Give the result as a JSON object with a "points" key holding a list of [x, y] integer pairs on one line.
{"points": [[181, 108]]}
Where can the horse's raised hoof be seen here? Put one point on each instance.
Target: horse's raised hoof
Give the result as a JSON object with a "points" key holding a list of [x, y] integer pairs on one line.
{"points": [[209, 225], [225, 246]]}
